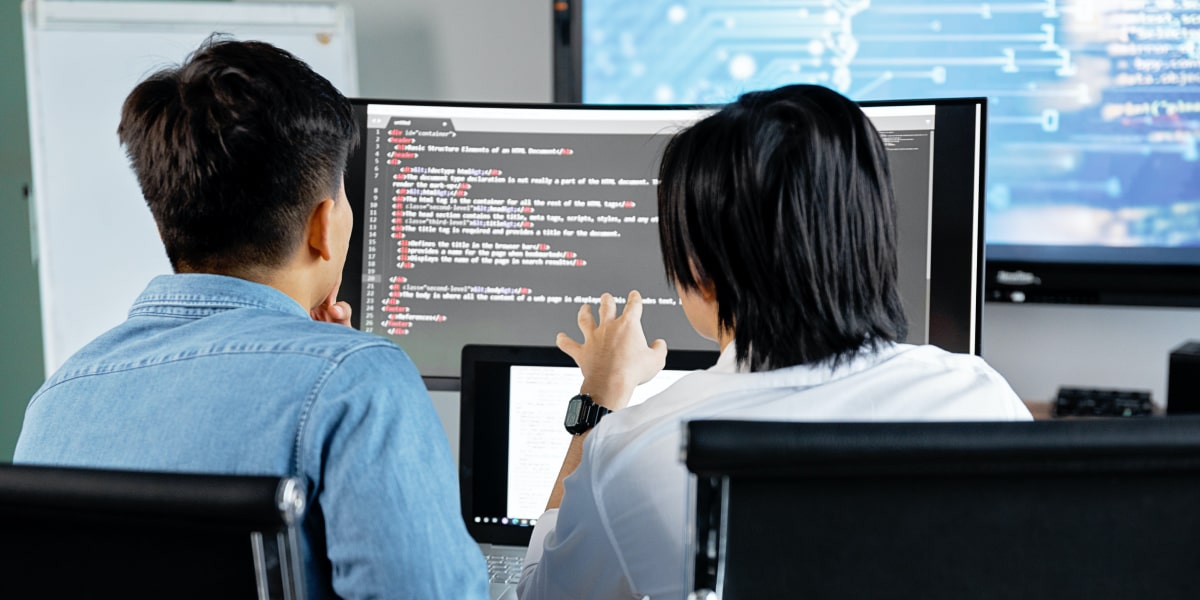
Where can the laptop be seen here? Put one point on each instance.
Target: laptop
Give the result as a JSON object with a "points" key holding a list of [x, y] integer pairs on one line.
{"points": [[512, 441]]}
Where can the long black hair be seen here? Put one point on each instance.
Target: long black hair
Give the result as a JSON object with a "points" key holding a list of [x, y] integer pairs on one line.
{"points": [[782, 203]]}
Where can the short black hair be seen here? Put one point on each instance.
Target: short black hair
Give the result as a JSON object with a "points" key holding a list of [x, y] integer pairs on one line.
{"points": [[782, 202], [232, 150]]}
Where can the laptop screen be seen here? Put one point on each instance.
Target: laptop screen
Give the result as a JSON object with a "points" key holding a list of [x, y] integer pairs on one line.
{"points": [[512, 436]]}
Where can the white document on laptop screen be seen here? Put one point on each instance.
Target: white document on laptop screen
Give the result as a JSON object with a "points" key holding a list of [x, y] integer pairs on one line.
{"points": [[537, 441]]}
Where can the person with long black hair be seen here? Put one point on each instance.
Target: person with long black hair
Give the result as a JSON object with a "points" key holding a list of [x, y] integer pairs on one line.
{"points": [[777, 226]]}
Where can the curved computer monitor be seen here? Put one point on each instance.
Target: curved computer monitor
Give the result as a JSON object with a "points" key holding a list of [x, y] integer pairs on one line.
{"points": [[491, 224]]}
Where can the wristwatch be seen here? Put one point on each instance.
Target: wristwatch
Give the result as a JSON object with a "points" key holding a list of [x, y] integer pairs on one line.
{"points": [[583, 414]]}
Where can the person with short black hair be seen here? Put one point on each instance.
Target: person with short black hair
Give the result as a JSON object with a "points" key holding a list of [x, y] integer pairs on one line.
{"points": [[777, 226], [242, 361]]}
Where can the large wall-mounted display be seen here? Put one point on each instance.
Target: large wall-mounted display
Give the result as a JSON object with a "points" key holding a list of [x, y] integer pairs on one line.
{"points": [[1093, 185]]}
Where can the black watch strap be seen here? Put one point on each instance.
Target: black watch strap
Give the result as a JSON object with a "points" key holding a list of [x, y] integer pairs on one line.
{"points": [[583, 414]]}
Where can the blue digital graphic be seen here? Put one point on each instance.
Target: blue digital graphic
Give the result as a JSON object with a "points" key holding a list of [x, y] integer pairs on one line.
{"points": [[1093, 104]]}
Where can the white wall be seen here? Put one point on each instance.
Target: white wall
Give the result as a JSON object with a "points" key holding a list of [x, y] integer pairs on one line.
{"points": [[479, 50], [1041, 347]]}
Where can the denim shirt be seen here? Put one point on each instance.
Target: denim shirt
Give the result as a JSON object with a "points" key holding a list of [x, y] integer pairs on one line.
{"points": [[221, 375]]}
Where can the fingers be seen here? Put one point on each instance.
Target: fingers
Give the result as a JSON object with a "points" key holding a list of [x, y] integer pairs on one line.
{"points": [[608, 310], [569, 346], [633, 306], [608, 307], [331, 299], [340, 312], [614, 355], [586, 323]]}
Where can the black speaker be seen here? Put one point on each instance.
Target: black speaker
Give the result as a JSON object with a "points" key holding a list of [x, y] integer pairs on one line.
{"points": [[1183, 380]]}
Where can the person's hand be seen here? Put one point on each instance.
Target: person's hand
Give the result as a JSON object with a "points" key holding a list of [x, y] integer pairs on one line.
{"points": [[331, 310], [614, 355]]}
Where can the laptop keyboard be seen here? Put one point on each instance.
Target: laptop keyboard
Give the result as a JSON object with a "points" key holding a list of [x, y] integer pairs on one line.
{"points": [[504, 568]]}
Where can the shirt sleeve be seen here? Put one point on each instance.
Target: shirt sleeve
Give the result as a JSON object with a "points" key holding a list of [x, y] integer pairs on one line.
{"points": [[571, 552], [386, 484]]}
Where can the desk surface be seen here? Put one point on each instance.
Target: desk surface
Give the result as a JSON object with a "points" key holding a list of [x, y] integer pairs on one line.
{"points": [[1040, 409]]}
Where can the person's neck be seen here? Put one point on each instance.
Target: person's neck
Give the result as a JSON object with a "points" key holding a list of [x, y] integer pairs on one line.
{"points": [[297, 286], [295, 283]]}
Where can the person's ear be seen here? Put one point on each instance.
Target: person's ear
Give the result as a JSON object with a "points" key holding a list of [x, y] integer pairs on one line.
{"points": [[708, 290], [320, 229]]}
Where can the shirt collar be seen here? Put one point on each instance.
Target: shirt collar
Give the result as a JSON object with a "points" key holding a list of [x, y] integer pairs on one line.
{"points": [[811, 374], [201, 294], [727, 361]]}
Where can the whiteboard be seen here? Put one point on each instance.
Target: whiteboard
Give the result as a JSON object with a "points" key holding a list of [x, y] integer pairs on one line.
{"points": [[96, 242]]}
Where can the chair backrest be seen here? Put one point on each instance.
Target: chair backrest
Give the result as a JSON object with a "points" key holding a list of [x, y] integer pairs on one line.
{"points": [[83, 533], [1061, 509]]}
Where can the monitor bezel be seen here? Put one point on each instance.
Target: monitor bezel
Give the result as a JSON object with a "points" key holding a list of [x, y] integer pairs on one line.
{"points": [[948, 186], [1109, 284]]}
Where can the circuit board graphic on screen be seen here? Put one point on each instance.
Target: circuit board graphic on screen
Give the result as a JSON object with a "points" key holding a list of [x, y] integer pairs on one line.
{"points": [[1093, 104]]}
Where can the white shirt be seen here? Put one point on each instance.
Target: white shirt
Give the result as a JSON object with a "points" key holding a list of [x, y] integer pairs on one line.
{"points": [[622, 529]]}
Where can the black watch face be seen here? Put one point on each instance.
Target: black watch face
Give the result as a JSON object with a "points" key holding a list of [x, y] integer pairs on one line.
{"points": [[573, 408]]}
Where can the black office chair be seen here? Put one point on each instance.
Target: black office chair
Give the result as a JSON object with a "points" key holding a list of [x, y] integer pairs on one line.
{"points": [[1063, 509], [84, 533]]}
